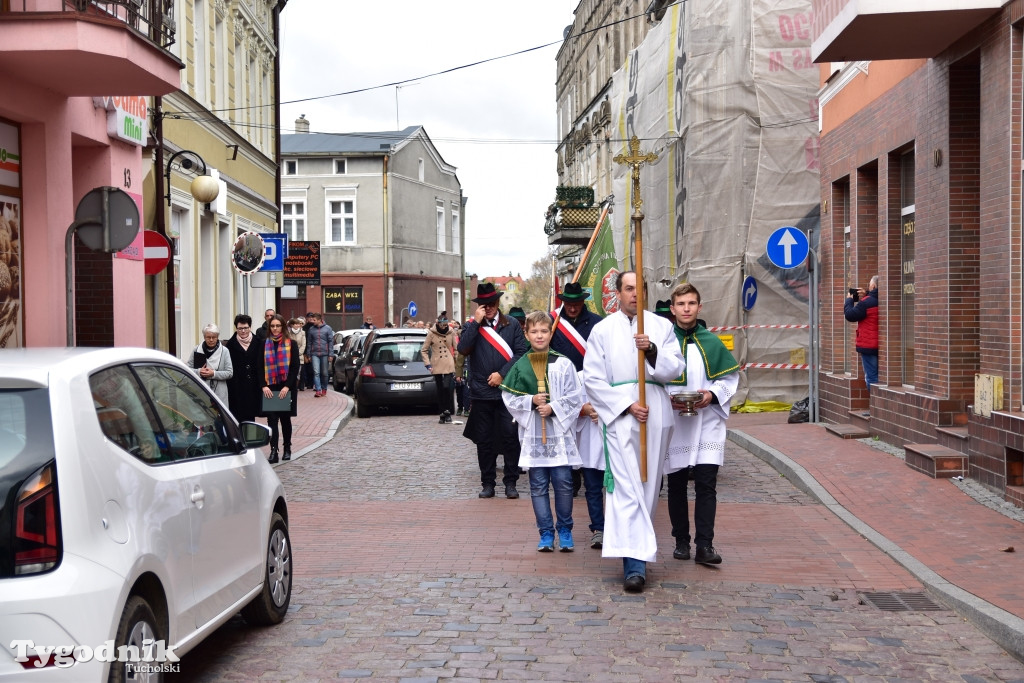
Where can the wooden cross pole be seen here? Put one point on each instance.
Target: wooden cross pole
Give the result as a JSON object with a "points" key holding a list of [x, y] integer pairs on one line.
{"points": [[636, 159]]}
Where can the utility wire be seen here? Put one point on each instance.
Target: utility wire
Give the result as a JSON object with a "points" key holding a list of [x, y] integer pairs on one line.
{"points": [[574, 36]]}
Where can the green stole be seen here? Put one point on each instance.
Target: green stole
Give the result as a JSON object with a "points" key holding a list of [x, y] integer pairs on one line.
{"points": [[718, 362], [521, 380]]}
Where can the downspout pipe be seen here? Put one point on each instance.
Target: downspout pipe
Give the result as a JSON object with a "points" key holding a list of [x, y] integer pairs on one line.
{"points": [[160, 216], [388, 296]]}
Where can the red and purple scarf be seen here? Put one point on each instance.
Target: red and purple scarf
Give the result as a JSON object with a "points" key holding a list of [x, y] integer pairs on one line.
{"points": [[276, 362]]}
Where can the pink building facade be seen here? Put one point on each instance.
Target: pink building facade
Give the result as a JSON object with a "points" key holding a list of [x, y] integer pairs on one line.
{"points": [[73, 118]]}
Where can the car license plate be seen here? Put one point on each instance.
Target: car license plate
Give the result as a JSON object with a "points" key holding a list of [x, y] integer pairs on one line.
{"points": [[406, 386]]}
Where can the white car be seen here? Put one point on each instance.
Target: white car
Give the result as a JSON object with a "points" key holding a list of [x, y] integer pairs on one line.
{"points": [[134, 511]]}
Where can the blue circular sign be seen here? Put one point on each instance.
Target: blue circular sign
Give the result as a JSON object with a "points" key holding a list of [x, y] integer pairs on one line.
{"points": [[749, 294], [412, 309], [788, 247]]}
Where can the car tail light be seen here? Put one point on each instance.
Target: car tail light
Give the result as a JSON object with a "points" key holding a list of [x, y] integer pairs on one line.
{"points": [[36, 524], [367, 371]]}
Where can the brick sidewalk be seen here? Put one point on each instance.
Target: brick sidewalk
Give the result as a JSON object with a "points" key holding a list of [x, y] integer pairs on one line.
{"points": [[316, 420], [929, 525]]}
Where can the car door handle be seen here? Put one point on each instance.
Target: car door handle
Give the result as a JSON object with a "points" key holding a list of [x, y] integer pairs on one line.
{"points": [[198, 496]]}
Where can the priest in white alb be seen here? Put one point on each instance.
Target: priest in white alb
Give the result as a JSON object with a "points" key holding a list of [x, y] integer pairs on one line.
{"points": [[610, 372], [697, 448]]}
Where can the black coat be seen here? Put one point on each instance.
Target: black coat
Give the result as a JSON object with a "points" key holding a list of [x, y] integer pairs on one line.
{"points": [[485, 359], [584, 324], [292, 382], [244, 396]]}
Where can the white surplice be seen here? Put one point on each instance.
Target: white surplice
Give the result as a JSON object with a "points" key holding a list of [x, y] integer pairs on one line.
{"points": [[700, 439], [555, 444], [588, 437], [610, 378]]}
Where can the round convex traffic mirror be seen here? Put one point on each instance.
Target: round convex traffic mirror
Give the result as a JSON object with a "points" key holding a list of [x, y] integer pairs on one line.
{"points": [[248, 252]]}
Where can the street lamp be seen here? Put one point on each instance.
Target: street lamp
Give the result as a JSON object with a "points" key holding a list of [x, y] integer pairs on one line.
{"points": [[204, 189]]}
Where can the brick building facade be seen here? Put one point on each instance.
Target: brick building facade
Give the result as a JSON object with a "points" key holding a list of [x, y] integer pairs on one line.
{"points": [[921, 184]]}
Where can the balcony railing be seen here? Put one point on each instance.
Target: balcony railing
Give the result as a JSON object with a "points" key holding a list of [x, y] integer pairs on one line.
{"points": [[151, 19]]}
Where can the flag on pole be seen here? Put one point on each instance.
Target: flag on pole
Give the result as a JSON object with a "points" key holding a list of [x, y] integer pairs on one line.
{"points": [[598, 272]]}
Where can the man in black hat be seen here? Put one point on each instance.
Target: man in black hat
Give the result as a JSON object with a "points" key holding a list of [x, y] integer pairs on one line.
{"points": [[519, 315], [494, 343], [664, 309], [572, 330]]}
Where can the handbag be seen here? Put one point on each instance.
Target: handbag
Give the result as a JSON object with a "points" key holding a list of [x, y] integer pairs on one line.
{"points": [[274, 404]]}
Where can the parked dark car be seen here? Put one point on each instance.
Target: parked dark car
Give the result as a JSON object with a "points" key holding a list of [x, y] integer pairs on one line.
{"points": [[347, 361], [339, 338], [393, 374]]}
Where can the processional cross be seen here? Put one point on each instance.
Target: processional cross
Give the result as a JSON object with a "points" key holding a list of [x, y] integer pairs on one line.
{"points": [[636, 159]]}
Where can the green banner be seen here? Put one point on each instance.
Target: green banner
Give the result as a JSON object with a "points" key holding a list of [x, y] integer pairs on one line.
{"points": [[599, 271]]}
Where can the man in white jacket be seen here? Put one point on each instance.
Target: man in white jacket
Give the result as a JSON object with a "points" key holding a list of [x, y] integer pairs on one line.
{"points": [[610, 371], [697, 448]]}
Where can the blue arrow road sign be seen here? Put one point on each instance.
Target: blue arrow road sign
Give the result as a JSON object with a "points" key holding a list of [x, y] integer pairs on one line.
{"points": [[749, 293], [412, 309], [788, 247]]}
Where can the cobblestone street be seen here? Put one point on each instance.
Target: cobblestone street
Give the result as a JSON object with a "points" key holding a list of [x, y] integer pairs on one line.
{"points": [[403, 574]]}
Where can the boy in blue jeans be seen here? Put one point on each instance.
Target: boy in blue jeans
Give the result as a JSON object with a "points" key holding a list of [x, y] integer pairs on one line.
{"points": [[547, 423]]}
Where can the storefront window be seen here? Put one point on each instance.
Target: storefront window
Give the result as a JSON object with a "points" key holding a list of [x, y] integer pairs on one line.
{"points": [[907, 286], [343, 307], [11, 263]]}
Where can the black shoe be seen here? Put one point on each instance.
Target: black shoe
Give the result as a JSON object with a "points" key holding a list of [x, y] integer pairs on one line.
{"points": [[707, 556], [634, 584], [487, 492], [682, 551], [273, 455], [447, 417], [510, 492], [287, 455], [441, 419]]}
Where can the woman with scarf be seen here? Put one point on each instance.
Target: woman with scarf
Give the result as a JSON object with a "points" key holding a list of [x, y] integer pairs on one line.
{"points": [[244, 396], [212, 362], [278, 379]]}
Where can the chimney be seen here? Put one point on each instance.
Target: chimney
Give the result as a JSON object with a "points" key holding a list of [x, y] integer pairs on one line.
{"points": [[302, 124]]}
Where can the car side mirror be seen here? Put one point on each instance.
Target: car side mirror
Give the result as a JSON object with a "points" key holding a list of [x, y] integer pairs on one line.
{"points": [[255, 435]]}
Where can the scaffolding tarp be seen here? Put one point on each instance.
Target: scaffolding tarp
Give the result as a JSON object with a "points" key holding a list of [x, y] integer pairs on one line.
{"points": [[724, 91]]}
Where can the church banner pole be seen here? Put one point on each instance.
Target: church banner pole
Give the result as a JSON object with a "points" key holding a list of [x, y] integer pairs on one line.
{"points": [[635, 160]]}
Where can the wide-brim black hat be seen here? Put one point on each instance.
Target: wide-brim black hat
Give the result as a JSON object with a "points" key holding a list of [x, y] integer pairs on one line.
{"points": [[486, 294], [574, 292]]}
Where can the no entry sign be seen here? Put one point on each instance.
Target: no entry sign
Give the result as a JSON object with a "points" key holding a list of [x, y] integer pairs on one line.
{"points": [[156, 251]]}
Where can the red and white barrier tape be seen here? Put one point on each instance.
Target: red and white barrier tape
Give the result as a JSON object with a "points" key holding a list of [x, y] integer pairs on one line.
{"points": [[777, 366], [759, 327]]}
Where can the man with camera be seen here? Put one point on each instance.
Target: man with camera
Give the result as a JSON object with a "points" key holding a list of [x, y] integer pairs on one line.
{"points": [[862, 308]]}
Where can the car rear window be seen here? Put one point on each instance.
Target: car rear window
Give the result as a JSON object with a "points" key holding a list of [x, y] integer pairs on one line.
{"points": [[29, 525], [401, 351]]}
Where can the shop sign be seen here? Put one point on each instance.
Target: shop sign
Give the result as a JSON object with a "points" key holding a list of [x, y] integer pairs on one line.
{"points": [[10, 156], [302, 265], [127, 117]]}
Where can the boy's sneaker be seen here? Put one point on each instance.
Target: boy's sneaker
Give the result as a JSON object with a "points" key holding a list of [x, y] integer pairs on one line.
{"points": [[597, 540], [565, 540], [547, 542]]}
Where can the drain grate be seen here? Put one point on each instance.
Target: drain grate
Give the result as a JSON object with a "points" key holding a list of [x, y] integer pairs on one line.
{"points": [[900, 602]]}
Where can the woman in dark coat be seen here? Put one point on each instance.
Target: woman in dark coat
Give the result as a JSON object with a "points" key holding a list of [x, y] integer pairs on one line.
{"points": [[279, 378], [244, 396]]}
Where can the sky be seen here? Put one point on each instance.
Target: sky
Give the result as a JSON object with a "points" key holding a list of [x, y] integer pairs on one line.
{"points": [[495, 122]]}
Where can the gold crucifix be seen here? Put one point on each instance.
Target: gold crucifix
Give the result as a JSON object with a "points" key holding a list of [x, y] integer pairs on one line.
{"points": [[636, 160]]}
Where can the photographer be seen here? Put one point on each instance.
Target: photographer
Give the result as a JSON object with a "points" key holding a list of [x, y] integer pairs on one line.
{"points": [[862, 308]]}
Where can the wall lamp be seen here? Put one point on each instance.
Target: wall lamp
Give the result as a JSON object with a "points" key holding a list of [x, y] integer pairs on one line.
{"points": [[204, 188]]}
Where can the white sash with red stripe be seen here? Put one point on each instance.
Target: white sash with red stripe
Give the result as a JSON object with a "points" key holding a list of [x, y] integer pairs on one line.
{"points": [[495, 340], [574, 337]]}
